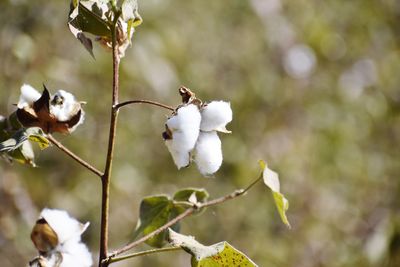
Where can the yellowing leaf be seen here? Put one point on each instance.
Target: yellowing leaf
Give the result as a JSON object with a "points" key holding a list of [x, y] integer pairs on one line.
{"points": [[220, 254], [282, 204], [271, 179]]}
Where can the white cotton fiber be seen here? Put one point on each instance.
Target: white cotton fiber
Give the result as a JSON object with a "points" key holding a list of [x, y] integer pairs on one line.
{"points": [[181, 157], [70, 251], [185, 127], [215, 116], [208, 153], [66, 107], [65, 226], [76, 255], [28, 96]]}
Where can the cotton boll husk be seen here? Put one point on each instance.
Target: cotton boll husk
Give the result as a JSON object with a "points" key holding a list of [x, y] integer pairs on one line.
{"points": [[67, 109], [208, 153], [28, 96], [81, 120], [65, 226], [181, 157], [215, 116]]}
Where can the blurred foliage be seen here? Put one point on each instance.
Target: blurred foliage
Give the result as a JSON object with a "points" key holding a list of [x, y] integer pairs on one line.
{"points": [[314, 86]]}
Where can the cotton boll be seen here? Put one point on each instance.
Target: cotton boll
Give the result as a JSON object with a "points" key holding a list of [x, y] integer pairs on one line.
{"points": [[28, 96], [184, 127], [181, 157], [215, 116], [208, 153], [65, 226], [187, 118], [64, 106], [75, 254]]}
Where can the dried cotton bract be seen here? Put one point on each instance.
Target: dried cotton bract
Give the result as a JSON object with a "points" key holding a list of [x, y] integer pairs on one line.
{"points": [[193, 130], [57, 237], [58, 113]]}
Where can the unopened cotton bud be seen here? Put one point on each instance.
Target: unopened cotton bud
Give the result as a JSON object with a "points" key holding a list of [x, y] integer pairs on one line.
{"points": [[208, 153], [28, 96], [215, 116]]}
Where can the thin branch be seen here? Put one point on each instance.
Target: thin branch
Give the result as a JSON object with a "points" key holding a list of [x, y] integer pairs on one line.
{"points": [[74, 156], [142, 253], [105, 197], [183, 215], [154, 103], [155, 232]]}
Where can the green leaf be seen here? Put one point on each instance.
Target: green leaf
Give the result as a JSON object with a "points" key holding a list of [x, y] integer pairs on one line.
{"points": [[90, 22], [193, 195], [282, 205], [24, 154], [87, 19], [155, 211], [271, 179], [21, 136], [220, 254]]}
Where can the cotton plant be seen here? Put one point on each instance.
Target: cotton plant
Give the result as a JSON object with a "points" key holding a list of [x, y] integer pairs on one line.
{"points": [[57, 237], [60, 112], [191, 135], [191, 132]]}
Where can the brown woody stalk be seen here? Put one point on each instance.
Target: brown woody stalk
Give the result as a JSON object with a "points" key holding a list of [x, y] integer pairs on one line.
{"points": [[105, 197]]}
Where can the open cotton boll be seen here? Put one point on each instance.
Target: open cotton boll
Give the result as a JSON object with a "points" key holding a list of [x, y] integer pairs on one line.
{"points": [[28, 96], [63, 225], [184, 127], [208, 153], [215, 116], [181, 157], [64, 106], [75, 255], [186, 118]]}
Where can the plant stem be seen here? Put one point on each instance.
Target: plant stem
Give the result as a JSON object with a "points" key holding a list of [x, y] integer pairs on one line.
{"points": [[142, 253], [183, 215], [74, 156], [120, 105], [105, 197]]}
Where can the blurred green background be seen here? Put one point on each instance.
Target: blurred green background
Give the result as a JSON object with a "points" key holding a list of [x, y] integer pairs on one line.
{"points": [[315, 90]]}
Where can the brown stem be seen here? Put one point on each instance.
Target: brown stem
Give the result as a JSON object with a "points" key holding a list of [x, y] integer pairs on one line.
{"points": [[74, 156], [120, 105], [105, 198], [181, 216]]}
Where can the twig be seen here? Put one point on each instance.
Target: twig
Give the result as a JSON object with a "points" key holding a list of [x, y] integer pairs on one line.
{"points": [[105, 198], [183, 215], [74, 156], [142, 253], [120, 105]]}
